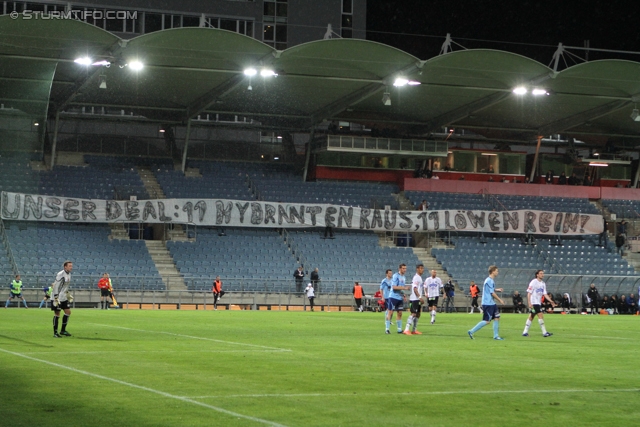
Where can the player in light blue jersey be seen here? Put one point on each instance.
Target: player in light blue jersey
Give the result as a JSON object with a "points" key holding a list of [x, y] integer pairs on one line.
{"points": [[395, 298], [490, 310], [385, 289]]}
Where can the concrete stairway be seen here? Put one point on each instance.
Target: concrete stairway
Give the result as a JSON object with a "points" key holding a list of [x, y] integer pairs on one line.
{"points": [[165, 265], [118, 231], [404, 203]]}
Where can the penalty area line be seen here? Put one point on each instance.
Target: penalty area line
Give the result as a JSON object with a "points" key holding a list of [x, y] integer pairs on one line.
{"points": [[150, 390], [192, 337], [409, 393]]}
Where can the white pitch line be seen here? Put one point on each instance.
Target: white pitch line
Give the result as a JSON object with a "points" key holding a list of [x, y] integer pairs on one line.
{"points": [[192, 337], [355, 394], [152, 351], [150, 390]]}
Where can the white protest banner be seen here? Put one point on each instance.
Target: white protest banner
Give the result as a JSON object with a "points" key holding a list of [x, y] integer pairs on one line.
{"points": [[243, 213]]}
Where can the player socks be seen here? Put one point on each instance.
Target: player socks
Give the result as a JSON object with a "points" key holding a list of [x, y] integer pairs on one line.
{"points": [[496, 327], [399, 324], [527, 326], [55, 324], [541, 322], [387, 324], [409, 323], [65, 319], [479, 326], [433, 316], [415, 323]]}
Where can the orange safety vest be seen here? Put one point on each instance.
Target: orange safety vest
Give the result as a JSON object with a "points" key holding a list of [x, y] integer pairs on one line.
{"points": [[357, 291], [474, 290], [217, 287]]}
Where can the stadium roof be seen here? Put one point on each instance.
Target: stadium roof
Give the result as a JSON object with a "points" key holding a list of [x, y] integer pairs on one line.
{"points": [[190, 71]]}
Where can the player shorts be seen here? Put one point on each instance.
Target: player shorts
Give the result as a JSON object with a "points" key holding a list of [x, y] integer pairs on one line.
{"points": [[395, 304], [490, 312], [474, 302], [415, 307], [12, 295], [433, 302], [105, 292], [64, 305], [535, 309]]}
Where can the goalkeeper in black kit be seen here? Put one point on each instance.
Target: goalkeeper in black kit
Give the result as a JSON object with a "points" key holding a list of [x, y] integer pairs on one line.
{"points": [[62, 299]]}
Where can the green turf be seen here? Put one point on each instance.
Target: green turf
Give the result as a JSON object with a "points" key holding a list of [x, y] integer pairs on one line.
{"points": [[153, 368]]}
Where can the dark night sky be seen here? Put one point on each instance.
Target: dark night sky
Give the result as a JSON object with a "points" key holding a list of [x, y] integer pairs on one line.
{"points": [[517, 27]]}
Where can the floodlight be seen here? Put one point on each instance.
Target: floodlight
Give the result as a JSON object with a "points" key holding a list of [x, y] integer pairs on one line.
{"points": [[36, 124], [520, 90], [250, 72], [276, 158], [400, 81], [538, 92], [102, 63], [598, 164], [136, 65], [265, 72], [413, 83], [84, 60], [635, 115]]}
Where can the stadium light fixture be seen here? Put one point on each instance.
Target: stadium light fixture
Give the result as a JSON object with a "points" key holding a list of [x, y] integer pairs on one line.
{"points": [[538, 92], [402, 81], [265, 72], [136, 65], [83, 60], [36, 124], [598, 164], [489, 154], [520, 90], [103, 81], [386, 98], [250, 72], [102, 63], [635, 115]]}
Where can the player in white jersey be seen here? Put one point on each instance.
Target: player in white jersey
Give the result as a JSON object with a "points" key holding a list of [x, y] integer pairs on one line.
{"points": [[536, 290], [432, 288], [416, 301], [62, 299]]}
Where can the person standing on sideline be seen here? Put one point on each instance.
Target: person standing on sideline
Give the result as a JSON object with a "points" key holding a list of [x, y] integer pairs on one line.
{"points": [[62, 299], [416, 300], [449, 294], [395, 300], [217, 292], [594, 297], [315, 279], [490, 310], [310, 294], [357, 295], [299, 276], [47, 295], [536, 290], [16, 292], [432, 287], [475, 291], [385, 290], [105, 291]]}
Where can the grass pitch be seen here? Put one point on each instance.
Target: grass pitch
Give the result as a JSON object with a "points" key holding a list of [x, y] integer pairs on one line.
{"points": [[253, 368]]}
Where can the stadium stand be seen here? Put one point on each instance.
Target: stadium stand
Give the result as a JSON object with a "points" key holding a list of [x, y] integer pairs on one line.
{"points": [[629, 209], [40, 250]]}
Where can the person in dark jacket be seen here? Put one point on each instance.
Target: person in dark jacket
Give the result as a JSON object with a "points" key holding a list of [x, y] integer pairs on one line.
{"points": [[594, 297], [518, 305]]}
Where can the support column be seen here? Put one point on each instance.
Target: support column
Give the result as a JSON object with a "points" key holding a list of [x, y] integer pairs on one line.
{"points": [[186, 145], [312, 135], [637, 177], [534, 167], [55, 141]]}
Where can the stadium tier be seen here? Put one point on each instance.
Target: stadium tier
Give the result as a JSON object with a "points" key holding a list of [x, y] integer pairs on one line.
{"points": [[40, 250], [517, 262], [629, 209]]}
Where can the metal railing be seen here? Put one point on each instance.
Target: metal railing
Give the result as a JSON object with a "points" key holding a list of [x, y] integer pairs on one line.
{"points": [[5, 242]]}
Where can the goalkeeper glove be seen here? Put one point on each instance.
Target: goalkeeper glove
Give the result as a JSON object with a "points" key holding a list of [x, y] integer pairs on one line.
{"points": [[69, 297], [56, 301]]}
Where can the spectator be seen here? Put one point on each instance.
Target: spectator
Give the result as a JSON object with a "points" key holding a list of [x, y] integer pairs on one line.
{"points": [[602, 238], [606, 303], [562, 180], [491, 169], [423, 206], [490, 178], [434, 176], [518, 305], [505, 179], [548, 179], [573, 179], [566, 303], [622, 228], [620, 241], [447, 167], [594, 297], [299, 276], [527, 180], [315, 279], [587, 180], [357, 296], [328, 233], [310, 294], [461, 178]]}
